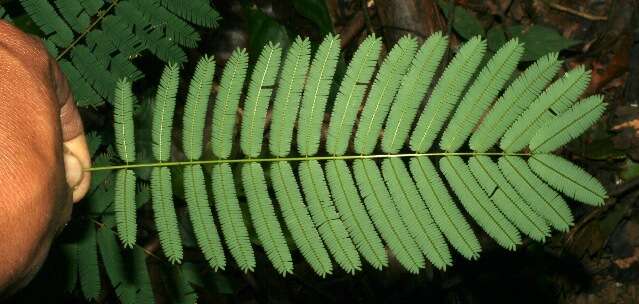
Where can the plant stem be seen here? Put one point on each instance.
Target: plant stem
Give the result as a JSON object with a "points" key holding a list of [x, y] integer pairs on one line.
{"points": [[301, 158]]}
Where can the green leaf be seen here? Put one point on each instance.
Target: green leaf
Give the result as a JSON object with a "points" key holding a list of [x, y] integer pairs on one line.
{"points": [[567, 126], [327, 220], [4, 15], [196, 106], [540, 40], [316, 11], [445, 96], [351, 209], [477, 203], [123, 121], [257, 100], [445, 213], [496, 37], [289, 94], [165, 217], [385, 216], [568, 178], [545, 201], [230, 217], [350, 95], [316, 91], [413, 212], [465, 23], [127, 270], [265, 222], [125, 206], [382, 93], [263, 29], [163, 109], [507, 199], [226, 102], [201, 217], [88, 263], [298, 220]]}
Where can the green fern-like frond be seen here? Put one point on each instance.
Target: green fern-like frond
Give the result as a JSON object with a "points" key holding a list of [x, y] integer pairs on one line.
{"points": [[125, 207], [161, 187], [93, 70], [316, 90], [165, 217], [84, 94], [49, 22], [257, 100], [568, 178], [152, 37], [350, 205], [163, 110], [514, 101], [91, 6], [446, 94], [111, 34], [557, 98], [353, 213], [567, 126], [174, 27], [4, 15], [201, 217], [382, 93], [411, 92], [414, 213], [326, 218], [545, 201], [477, 203], [125, 179], [127, 273], [196, 106], [481, 94], [198, 11], [88, 268], [267, 227], [385, 216], [350, 95], [289, 93], [298, 219], [74, 14], [506, 198], [230, 216], [445, 213], [226, 102]]}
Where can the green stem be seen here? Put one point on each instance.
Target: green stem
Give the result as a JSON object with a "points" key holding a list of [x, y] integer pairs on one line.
{"points": [[300, 158]]}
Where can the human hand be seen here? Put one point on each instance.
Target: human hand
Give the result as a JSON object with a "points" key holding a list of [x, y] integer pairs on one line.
{"points": [[43, 153]]}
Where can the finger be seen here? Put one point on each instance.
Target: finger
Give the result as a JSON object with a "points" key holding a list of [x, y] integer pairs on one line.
{"points": [[76, 152], [76, 160]]}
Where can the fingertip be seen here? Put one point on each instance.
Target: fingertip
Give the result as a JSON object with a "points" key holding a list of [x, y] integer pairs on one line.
{"points": [[77, 160]]}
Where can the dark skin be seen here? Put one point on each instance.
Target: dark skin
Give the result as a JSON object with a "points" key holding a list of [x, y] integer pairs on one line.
{"points": [[43, 156]]}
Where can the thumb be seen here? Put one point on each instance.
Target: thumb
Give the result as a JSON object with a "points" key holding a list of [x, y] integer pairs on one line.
{"points": [[76, 159], [76, 153]]}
